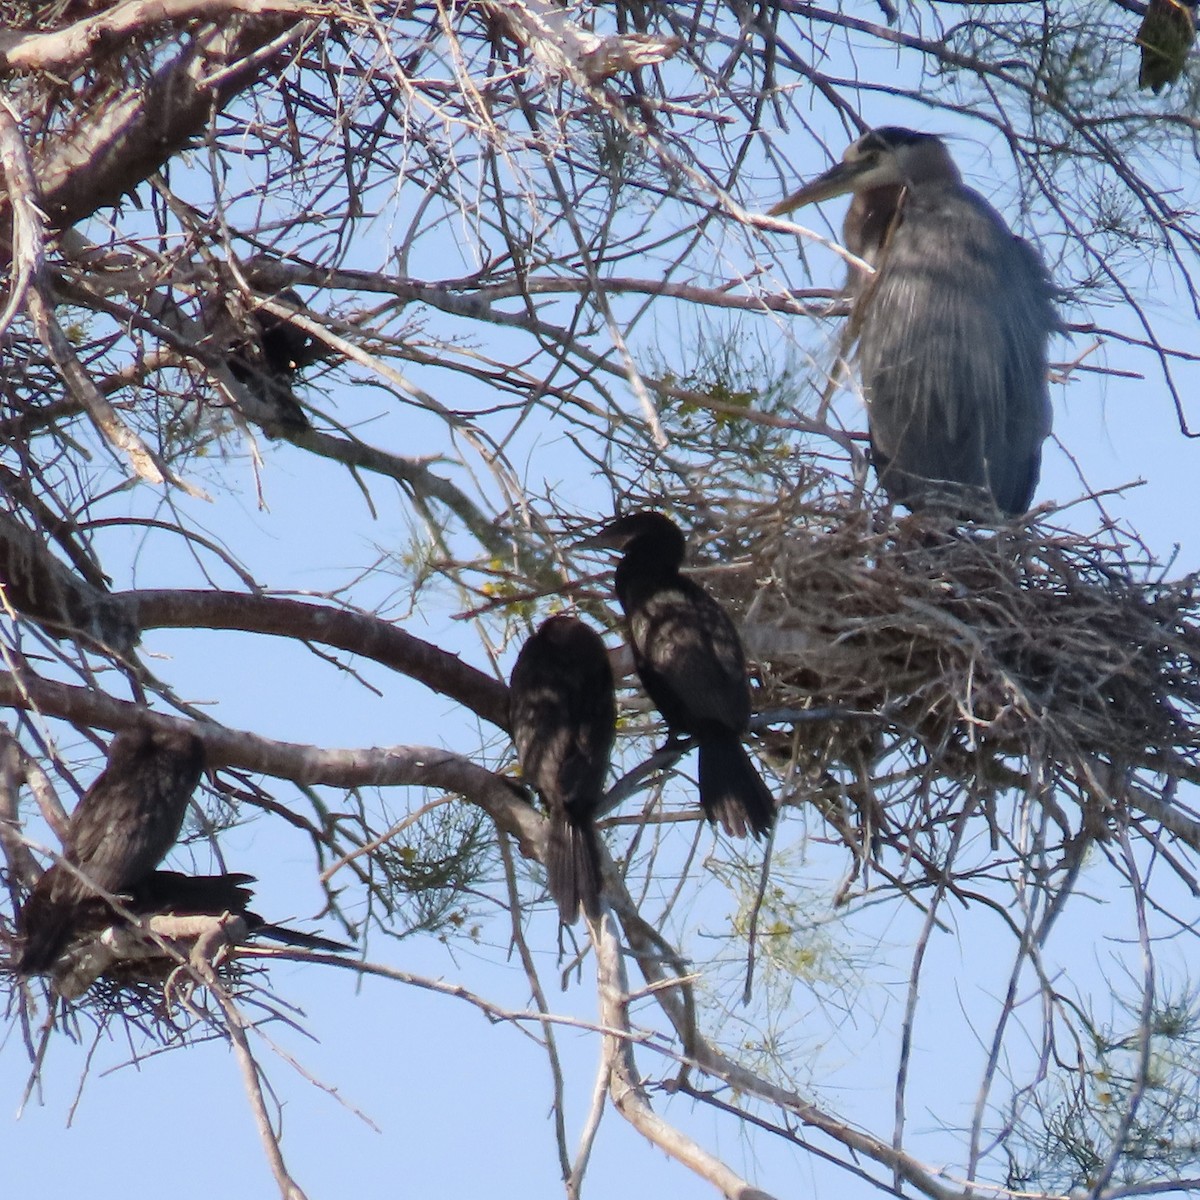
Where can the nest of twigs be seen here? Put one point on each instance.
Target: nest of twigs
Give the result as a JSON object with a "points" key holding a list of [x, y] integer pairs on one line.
{"points": [[113, 972], [962, 662]]}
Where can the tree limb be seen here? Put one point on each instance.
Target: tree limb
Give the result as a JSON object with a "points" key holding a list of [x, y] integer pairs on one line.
{"points": [[357, 633]]}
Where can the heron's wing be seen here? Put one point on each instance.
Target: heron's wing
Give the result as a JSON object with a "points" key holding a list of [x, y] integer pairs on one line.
{"points": [[952, 347]]}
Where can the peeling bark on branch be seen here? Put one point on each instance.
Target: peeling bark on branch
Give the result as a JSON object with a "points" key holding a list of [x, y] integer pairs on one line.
{"points": [[27, 236], [131, 139], [14, 771], [145, 463], [63, 49], [397, 766], [127, 140], [121, 945], [564, 48]]}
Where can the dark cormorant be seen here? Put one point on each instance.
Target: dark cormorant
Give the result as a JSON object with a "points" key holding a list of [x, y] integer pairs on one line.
{"points": [[119, 832], [39, 585], [690, 661], [269, 363], [100, 944], [563, 716], [170, 893]]}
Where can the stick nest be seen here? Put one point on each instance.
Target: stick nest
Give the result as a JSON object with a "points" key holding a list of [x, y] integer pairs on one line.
{"points": [[1024, 656]]}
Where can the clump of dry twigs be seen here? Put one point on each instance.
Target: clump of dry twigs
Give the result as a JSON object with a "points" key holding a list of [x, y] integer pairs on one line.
{"points": [[967, 662]]}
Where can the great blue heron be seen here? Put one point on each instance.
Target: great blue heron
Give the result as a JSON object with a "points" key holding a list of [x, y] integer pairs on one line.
{"points": [[1166, 35], [563, 716], [952, 328], [690, 661], [119, 832]]}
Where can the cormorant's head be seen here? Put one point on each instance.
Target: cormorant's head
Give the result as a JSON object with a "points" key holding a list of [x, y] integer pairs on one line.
{"points": [[566, 633], [642, 532], [146, 743], [883, 157]]}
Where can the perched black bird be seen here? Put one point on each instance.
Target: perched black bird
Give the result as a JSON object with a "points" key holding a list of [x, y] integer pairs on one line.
{"points": [[269, 363], [63, 601], [171, 893], [119, 832], [96, 948], [563, 716], [690, 661], [180, 895], [1166, 36]]}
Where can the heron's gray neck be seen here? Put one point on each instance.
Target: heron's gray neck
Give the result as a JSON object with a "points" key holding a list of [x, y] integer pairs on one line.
{"points": [[870, 218]]}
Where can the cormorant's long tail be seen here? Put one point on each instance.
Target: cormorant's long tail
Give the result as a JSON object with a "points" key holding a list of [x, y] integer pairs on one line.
{"points": [[573, 866], [731, 790], [294, 937]]}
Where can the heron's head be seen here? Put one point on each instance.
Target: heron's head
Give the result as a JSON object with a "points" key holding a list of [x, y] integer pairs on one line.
{"points": [[886, 157]]}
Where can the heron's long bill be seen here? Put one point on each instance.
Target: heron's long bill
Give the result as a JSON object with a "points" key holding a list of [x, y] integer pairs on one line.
{"points": [[841, 178]]}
